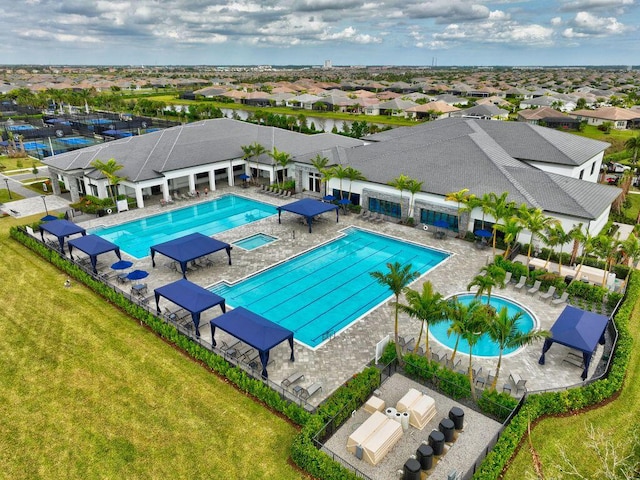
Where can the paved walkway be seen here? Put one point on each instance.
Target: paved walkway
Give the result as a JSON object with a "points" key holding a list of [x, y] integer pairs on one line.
{"points": [[337, 360]]}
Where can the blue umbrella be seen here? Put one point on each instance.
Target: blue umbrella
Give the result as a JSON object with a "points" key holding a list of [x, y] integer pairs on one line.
{"points": [[48, 218], [137, 275], [244, 176], [344, 201], [441, 224], [483, 233], [122, 265], [328, 198]]}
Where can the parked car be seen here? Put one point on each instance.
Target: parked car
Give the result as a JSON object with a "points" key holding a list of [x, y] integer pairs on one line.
{"points": [[618, 167]]}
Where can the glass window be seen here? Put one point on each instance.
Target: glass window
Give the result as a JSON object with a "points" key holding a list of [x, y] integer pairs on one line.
{"points": [[581, 174], [430, 217], [593, 167], [390, 209], [315, 180]]}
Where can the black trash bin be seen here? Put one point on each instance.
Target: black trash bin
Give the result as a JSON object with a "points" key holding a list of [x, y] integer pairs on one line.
{"points": [[447, 428], [424, 454], [436, 442], [411, 470], [568, 279], [457, 415]]}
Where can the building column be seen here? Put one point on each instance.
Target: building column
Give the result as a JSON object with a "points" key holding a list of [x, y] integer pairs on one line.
{"points": [[230, 175], [139, 197], [55, 186], [192, 182], [71, 184], [165, 190], [212, 180]]}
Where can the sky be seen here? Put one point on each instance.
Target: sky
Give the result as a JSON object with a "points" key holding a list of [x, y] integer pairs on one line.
{"points": [[309, 32]]}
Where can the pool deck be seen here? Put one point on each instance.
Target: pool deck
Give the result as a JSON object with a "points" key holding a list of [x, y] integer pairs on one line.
{"points": [[335, 361]]}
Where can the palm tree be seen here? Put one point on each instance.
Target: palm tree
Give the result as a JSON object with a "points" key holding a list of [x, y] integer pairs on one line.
{"points": [[340, 173], [536, 222], [396, 278], [461, 197], [493, 277], [257, 150], [282, 159], [606, 248], [486, 205], [428, 307], [557, 236], [109, 169], [472, 331], [352, 175], [320, 163], [460, 314], [503, 330], [576, 236], [400, 183], [414, 186], [511, 228], [633, 144], [588, 247], [500, 210], [630, 252]]}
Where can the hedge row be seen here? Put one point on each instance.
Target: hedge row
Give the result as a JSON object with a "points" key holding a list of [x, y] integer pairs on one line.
{"points": [[336, 408], [554, 403]]}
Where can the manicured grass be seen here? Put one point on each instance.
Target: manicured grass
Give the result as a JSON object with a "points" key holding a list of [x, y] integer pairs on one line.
{"points": [[12, 163], [615, 421], [616, 138], [85, 392], [4, 196]]}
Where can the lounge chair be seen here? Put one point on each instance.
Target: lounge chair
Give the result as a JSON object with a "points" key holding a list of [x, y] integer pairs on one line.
{"points": [[536, 286], [403, 343], [549, 294], [507, 278], [364, 214], [521, 283], [226, 347], [561, 300], [480, 379], [308, 392], [452, 365], [176, 197], [517, 381], [293, 378]]}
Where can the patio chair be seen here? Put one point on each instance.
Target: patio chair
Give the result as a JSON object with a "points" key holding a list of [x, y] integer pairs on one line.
{"points": [[308, 392], [364, 214], [293, 378], [521, 283], [480, 379], [517, 381], [507, 278], [452, 365], [176, 197], [403, 343], [226, 347], [536, 286], [549, 294], [563, 298]]}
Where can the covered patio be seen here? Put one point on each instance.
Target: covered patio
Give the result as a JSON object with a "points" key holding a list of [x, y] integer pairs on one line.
{"points": [[189, 248], [61, 229], [308, 208], [579, 329], [93, 245], [253, 330], [193, 298]]}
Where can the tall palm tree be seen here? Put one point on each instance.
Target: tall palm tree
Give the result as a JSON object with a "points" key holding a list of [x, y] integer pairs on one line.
{"points": [[472, 331], [257, 150], [606, 248], [460, 314], [320, 163], [633, 144], [428, 307], [576, 235], [557, 237], [511, 228], [534, 220], [486, 205], [588, 246], [501, 209], [109, 170], [630, 251], [460, 197], [400, 183], [485, 283], [282, 159], [414, 186], [352, 175], [503, 330], [396, 279], [340, 173]]}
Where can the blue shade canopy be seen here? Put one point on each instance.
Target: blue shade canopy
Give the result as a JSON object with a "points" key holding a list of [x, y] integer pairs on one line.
{"points": [[93, 245], [189, 247], [244, 176], [191, 297], [137, 275], [483, 233], [122, 265], [579, 329], [61, 229], [254, 330], [308, 208]]}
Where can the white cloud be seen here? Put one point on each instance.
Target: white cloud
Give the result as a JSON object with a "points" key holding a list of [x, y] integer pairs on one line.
{"points": [[585, 24]]}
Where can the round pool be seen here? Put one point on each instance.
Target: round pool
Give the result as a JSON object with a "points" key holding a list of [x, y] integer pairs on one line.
{"points": [[485, 346]]}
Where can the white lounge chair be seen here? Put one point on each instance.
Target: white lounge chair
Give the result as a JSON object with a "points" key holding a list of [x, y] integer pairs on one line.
{"points": [[507, 278], [293, 378], [563, 298], [549, 294], [536, 286], [308, 392], [521, 283]]}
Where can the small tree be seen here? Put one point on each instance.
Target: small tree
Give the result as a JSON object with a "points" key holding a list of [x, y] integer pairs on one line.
{"points": [[396, 279], [633, 144], [428, 307], [109, 170]]}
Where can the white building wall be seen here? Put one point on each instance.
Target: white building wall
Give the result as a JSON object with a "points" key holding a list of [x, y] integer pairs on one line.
{"points": [[574, 171]]}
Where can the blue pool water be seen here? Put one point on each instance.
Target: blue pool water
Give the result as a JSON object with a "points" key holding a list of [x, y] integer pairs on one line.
{"points": [[208, 218], [320, 292], [485, 346], [255, 241]]}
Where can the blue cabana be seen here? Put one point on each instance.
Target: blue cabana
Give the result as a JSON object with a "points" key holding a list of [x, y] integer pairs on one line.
{"points": [[93, 245], [254, 330], [579, 329], [191, 297], [188, 248], [61, 229], [308, 208]]}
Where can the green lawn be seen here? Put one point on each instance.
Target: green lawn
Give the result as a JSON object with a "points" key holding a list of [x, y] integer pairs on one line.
{"points": [[12, 163], [4, 196], [85, 392], [615, 421]]}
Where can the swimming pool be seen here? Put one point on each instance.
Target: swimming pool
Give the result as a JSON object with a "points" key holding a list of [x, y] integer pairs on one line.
{"points": [[255, 241], [485, 346], [324, 290], [208, 218]]}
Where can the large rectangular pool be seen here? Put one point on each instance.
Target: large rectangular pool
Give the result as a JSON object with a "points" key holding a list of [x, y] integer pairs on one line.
{"points": [[208, 218], [322, 291]]}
